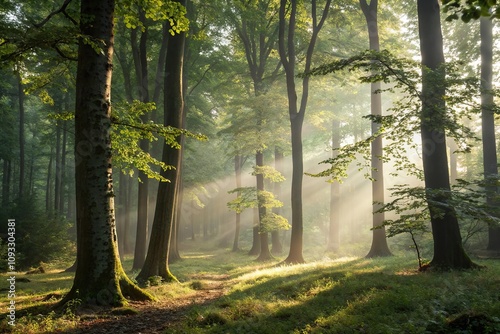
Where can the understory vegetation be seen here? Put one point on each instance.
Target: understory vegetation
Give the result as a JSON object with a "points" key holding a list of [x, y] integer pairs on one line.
{"points": [[332, 295]]}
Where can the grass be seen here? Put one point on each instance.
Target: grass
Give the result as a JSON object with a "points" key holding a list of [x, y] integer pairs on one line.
{"points": [[346, 295]]}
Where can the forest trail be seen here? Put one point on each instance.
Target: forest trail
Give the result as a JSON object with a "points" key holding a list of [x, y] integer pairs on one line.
{"points": [[155, 318]]}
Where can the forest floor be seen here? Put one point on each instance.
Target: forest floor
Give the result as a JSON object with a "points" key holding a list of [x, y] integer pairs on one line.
{"points": [[225, 292], [153, 318]]}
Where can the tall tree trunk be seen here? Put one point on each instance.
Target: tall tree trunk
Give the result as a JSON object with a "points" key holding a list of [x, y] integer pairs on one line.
{"points": [[265, 253], [255, 250], [490, 164], [99, 277], [448, 249], [141, 70], [277, 247], [379, 245], [238, 160], [21, 97], [334, 228], [63, 167], [57, 179], [287, 56], [453, 160], [48, 186], [156, 263], [7, 171]]}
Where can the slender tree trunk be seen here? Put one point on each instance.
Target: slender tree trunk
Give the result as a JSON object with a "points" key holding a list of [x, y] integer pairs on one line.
{"points": [[265, 253], [99, 277], [453, 160], [490, 163], [63, 167], [255, 250], [21, 97], [334, 228], [141, 70], [379, 245], [277, 247], [57, 179], [287, 56], [156, 263], [448, 249], [237, 171], [7, 170], [48, 186]]}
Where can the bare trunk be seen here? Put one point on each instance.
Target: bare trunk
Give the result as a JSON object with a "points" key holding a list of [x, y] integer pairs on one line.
{"points": [[448, 249], [379, 245], [334, 228], [265, 253], [238, 160], [99, 277], [490, 164], [7, 170], [156, 263], [287, 56], [21, 136]]}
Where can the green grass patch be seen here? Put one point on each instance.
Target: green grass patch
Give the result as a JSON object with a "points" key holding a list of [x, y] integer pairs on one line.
{"points": [[345, 295], [353, 295]]}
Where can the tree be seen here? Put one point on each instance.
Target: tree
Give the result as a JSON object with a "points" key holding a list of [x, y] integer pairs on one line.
{"points": [[296, 112], [99, 277], [490, 163], [448, 249], [379, 241], [156, 263]]}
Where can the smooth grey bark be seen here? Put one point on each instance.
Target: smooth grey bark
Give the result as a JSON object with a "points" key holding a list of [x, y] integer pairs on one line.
{"points": [[286, 42], [334, 226], [238, 162], [379, 245], [276, 245], [265, 253]]}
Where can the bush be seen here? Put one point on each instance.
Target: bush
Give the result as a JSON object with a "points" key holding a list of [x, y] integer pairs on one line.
{"points": [[39, 236]]}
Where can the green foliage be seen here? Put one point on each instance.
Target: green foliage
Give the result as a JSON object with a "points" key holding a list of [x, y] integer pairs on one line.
{"points": [[40, 237], [402, 120], [269, 173], [273, 222], [127, 131], [470, 9], [155, 10], [246, 198]]}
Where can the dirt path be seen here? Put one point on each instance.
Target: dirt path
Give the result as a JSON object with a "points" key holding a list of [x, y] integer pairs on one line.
{"points": [[155, 318]]}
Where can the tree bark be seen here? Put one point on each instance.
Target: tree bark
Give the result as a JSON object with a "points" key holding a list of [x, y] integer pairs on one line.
{"points": [[288, 56], [490, 163], [255, 250], [7, 170], [141, 69], [238, 160], [265, 253], [334, 228], [21, 97], [379, 245], [156, 263], [99, 277], [277, 247], [448, 250]]}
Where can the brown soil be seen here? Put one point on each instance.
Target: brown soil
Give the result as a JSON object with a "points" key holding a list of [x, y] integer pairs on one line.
{"points": [[151, 317]]}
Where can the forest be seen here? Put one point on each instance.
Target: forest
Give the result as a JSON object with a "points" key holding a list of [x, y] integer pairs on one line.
{"points": [[249, 166]]}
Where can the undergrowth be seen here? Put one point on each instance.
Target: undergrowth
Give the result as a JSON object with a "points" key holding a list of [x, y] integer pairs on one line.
{"points": [[343, 295]]}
